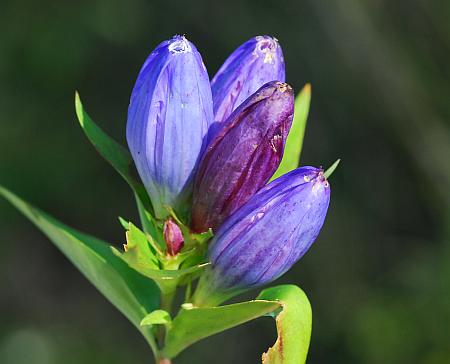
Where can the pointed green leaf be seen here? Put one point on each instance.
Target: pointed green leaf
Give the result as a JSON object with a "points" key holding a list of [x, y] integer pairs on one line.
{"points": [[123, 222], [331, 169], [138, 251], [157, 317], [294, 323], [294, 142], [193, 323], [149, 223], [113, 152], [108, 148], [133, 294]]}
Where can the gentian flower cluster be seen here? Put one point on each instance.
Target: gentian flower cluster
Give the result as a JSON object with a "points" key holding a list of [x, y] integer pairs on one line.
{"points": [[218, 200], [207, 149]]}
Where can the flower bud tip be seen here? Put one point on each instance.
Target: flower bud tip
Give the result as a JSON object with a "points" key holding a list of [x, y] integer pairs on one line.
{"points": [[179, 44], [268, 47], [173, 237], [283, 87]]}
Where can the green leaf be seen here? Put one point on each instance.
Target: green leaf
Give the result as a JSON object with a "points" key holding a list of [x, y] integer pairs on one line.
{"points": [[294, 142], [203, 237], [167, 280], [157, 317], [138, 251], [114, 153], [133, 294], [123, 222], [294, 323], [149, 223], [193, 324], [108, 148], [331, 169], [144, 255], [288, 304]]}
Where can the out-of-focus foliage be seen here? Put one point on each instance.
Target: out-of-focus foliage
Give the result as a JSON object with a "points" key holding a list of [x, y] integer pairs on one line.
{"points": [[378, 278]]}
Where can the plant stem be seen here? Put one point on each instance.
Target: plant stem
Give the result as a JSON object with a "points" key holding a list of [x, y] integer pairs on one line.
{"points": [[166, 305], [164, 361], [167, 300]]}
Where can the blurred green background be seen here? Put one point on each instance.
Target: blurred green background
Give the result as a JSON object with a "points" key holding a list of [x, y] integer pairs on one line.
{"points": [[379, 275]]}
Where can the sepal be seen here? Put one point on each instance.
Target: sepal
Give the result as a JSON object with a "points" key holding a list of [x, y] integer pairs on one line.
{"points": [[143, 254]]}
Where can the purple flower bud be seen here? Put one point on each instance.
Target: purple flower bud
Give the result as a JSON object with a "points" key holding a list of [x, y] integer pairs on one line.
{"points": [[266, 236], [254, 63], [173, 237], [243, 156], [168, 118]]}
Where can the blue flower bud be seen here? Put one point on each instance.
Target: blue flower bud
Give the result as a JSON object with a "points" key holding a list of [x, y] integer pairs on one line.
{"points": [[168, 119], [243, 156], [267, 235], [254, 63]]}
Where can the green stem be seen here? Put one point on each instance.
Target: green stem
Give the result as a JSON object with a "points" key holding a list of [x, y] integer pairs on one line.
{"points": [[167, 299], [164, 361], [166, 305]]}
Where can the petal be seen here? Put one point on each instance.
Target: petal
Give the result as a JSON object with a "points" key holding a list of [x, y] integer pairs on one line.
{"points": [[273, 230], [254, 63], [243, 156], [168, 119]]}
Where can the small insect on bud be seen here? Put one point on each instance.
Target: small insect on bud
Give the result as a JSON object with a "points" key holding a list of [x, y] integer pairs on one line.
{"points": [[173, 237], [254, 63]]}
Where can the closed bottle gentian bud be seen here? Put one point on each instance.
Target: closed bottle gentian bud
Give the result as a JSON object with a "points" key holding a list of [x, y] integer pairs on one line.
{"points": [[254, 63], [266, 236], [243, 156], [168, 119], [173, 237]]}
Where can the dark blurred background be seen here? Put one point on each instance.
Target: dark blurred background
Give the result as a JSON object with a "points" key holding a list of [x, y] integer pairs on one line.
{"points": [[379, 275]]}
